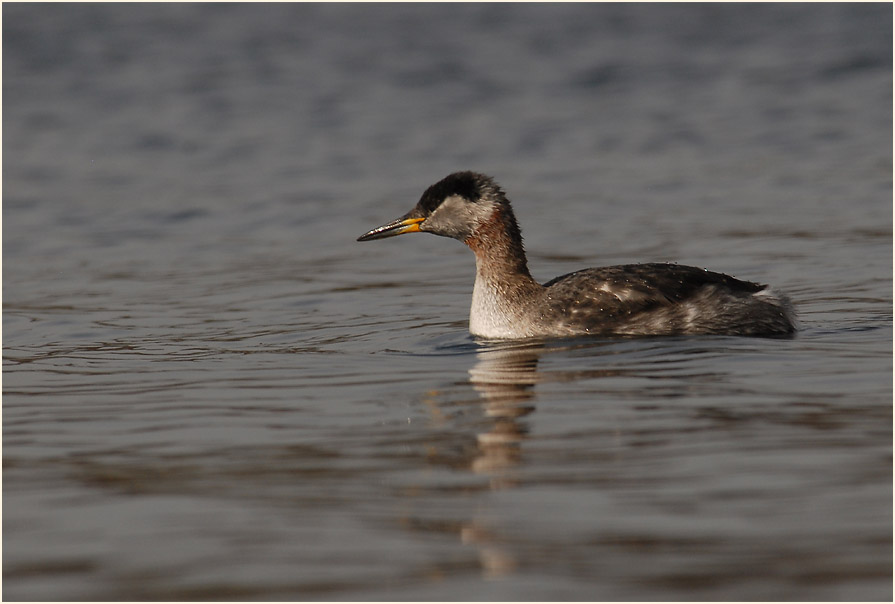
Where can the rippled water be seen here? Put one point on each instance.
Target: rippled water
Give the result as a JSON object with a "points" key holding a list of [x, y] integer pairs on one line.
{"points": [[210, 391]]}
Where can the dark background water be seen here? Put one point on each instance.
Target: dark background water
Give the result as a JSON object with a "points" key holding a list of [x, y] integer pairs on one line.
{"points": [[211, 391]]}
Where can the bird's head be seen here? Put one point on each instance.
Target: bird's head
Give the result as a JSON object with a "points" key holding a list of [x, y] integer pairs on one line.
{"points": [[456, 206]]}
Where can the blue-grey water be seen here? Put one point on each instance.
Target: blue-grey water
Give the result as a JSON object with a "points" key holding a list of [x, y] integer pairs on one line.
{"points": [[211, 391]]}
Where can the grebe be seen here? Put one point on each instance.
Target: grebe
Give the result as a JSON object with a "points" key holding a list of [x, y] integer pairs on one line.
{"points": [[630, 299]]}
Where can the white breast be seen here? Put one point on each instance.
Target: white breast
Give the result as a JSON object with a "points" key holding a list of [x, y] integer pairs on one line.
{"points": [[490, 315]]}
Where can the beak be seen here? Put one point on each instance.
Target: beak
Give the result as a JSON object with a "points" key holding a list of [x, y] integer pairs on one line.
{"points": [[395, 227]]}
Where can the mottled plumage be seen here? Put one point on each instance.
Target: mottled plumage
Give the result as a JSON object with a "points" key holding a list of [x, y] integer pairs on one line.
{"points": [[631, 299]]}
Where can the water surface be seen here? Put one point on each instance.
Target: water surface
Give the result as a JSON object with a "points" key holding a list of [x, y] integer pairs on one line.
{"points": [[211, 391]]}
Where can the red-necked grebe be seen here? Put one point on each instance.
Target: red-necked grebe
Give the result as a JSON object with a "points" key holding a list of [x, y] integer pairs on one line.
{"points": [[630, 299]]}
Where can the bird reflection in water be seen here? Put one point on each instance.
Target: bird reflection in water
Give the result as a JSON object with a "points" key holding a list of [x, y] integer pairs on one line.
{"points": [[504, 378]]}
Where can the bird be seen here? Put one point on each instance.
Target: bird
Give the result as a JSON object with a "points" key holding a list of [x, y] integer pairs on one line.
{"points": [[650, 299]]}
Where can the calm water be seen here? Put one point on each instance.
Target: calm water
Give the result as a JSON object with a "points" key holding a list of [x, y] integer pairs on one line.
{"points": [[210, 391]]}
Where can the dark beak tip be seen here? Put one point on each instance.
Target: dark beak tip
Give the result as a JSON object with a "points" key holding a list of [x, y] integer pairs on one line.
{"points": [[371, 235], [396, 227]]}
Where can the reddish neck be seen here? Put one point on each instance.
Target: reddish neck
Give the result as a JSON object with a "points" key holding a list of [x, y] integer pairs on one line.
{"points": [[497, 245]]}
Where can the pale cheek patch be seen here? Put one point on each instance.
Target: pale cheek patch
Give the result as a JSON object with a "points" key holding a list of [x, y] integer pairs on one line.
{"points": [[458, 218]]}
